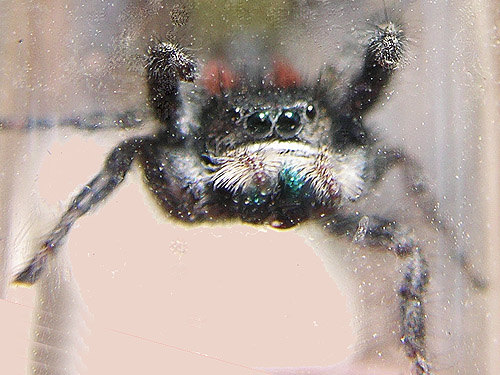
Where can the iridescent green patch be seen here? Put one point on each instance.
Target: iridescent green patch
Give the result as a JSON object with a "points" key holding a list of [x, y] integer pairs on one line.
{"points": [[293, 184], [256, 197]]}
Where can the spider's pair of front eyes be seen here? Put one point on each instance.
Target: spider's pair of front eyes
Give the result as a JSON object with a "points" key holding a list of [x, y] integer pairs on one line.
{"points": [[288, 124]]}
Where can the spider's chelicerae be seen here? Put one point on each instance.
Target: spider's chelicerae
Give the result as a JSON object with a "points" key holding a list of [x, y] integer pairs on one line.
{"points": [[270, 150]]}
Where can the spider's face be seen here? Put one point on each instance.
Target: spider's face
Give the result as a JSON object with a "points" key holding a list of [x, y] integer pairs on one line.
{"points": [[270, 157]]}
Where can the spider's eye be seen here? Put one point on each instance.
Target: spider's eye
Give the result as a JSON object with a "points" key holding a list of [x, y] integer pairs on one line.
{"points": [[288, 124], [234, 113], [259, 124], [310, 112]]}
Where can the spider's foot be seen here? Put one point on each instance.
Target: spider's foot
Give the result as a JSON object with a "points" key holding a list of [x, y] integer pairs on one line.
{"points": [[165, 57], [421, 366], [32, 272], [388, 45]]}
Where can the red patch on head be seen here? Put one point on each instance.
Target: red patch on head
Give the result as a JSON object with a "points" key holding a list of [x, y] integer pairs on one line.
{"points": [[218, 77], [284, 74]]}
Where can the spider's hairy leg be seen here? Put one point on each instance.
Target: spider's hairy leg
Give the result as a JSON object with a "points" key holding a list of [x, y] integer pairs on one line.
{"points": [[178, 180], [384, 54], [167, 65], [418, 188], [376, 232], [115, 168]]}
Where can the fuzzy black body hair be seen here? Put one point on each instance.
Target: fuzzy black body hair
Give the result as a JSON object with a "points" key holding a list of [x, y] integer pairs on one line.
{"points": [[273, 151]]}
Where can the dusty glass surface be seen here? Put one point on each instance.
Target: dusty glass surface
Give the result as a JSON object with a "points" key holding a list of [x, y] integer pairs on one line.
{"points": [[143, 294]]}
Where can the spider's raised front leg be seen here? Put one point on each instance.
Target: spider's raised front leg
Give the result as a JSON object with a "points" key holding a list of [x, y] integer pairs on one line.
{"points": [[384, 54], [375, 232], [167, 64], [115, 168]]}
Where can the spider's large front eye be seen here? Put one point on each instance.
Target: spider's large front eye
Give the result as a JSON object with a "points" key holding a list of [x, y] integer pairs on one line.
{"points": [[259, 124], [288, 124]]}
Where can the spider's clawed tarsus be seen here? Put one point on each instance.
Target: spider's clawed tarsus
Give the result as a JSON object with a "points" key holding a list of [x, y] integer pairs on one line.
{"points": [[388, 45]]}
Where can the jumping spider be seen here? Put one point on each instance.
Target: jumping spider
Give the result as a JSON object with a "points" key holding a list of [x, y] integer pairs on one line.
{"points": [[270, 151]]}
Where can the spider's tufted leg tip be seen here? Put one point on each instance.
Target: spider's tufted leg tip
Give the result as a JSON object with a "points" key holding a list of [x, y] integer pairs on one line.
{"points": [[32, 272], [388, 46]]}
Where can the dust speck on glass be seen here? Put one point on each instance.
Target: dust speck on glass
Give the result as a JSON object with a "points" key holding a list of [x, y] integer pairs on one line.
{"points": [[246, 130]]}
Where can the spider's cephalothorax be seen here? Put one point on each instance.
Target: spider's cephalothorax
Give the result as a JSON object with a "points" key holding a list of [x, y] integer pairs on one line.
{"points": [[274, 151], [271, 157]]}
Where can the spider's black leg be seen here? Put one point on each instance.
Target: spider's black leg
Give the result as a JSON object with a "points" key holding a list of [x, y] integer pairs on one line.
{"points": [[382, 233], [418, 188], [167, 65], [113, 173], [384, 54], [179, 181], [101, 120]]}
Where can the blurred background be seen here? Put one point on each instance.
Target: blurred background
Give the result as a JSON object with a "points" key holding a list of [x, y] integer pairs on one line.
{"points": [[134, 292]]}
